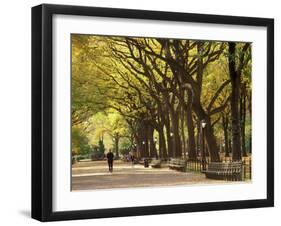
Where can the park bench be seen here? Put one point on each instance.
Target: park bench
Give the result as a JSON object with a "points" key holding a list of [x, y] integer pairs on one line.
{"points": [[224, 171], [178, 164], [156, 163]]}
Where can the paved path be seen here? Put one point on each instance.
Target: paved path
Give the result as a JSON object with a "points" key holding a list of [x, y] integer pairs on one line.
{"points": [[94, 175]]}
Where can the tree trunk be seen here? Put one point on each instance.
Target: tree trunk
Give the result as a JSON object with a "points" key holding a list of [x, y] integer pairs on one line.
{"points": [[198, 126], [230, 144], [243, 118], [250, 116], [162, 143], [211, 141], [190, 129], [176, 135], [225, 132], [209, 133], [152, 148], [200, 112], [116, 138], [183, 133], [143, 141], [139, 149], [146, 146], [160, 129], [168, 135], [235, 94]]}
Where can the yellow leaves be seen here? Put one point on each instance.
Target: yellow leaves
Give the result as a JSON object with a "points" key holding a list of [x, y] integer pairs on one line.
{"points": [[130, 75]]}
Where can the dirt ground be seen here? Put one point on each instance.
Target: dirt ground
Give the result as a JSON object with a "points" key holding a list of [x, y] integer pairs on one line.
{"points": [[91, 175]]}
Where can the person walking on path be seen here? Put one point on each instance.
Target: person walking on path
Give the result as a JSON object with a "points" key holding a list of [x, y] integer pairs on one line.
{"points": [[133, 160], [110, 157]]}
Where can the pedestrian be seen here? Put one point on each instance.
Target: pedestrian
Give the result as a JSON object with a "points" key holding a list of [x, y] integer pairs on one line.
{"points": [[110, 157], [132, 159]]}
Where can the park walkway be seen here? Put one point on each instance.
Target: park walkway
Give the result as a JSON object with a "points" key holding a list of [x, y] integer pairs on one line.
{"points": [[91, 175]]}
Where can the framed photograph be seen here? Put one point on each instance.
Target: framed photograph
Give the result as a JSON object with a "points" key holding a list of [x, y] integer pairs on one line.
{"points": [[146, 112]]}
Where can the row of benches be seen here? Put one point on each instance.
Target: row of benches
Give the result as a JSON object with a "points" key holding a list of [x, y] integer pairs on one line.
{"points": [[177, 164], [215, 170]]}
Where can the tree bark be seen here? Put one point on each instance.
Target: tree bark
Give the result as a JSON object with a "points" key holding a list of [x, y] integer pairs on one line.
{"points": [[250, 116], [211, 141], [235, 94], [183, 133], [176, 135], [162, 143], [225, 132], [198, 126], [146, 146], [243, 118], [160, 129], [168, 135], [152, 148], [143, 139], [190, 129], [230, 144]]}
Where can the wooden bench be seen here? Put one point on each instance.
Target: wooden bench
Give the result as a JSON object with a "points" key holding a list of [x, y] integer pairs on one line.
{"points": [[156, 163], [178, 164], [224, 171]]}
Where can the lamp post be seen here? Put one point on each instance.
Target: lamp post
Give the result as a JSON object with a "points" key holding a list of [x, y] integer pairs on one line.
{"points": [[203, 125]]}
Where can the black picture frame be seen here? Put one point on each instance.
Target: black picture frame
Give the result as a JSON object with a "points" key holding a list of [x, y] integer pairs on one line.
{"points": [[42, 111]]}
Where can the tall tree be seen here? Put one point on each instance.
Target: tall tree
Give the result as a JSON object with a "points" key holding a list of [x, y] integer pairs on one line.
{"points": [[237, 61]]}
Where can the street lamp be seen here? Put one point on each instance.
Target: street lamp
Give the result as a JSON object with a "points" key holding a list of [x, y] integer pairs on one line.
{"points": [[203, 125], [171, 134]]}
